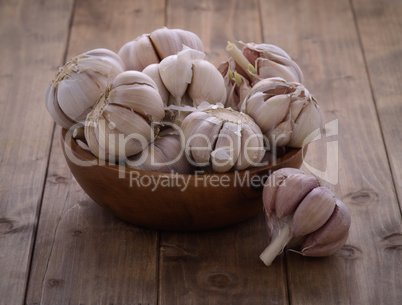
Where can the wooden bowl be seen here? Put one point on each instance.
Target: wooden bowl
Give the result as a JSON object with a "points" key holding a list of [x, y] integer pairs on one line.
{"points": [[163, 201]]}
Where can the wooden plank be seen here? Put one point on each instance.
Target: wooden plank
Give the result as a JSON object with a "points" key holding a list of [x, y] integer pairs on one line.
{"points": [[322, 37], [380, 28], [220, 266], [84, 255], [216, 22], [33, 37]]}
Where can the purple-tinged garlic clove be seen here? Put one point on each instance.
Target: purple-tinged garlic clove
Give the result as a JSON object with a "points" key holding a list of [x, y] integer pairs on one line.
{"points": [[313, 212], [292, 191], [334, 229], [272, 184]]}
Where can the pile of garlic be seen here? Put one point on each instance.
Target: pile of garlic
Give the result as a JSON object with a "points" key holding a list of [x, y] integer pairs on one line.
{"points": [[159, 105], [156, 80]]}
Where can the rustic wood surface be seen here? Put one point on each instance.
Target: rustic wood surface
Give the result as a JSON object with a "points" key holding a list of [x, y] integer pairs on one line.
{"points": [[59, 247]]}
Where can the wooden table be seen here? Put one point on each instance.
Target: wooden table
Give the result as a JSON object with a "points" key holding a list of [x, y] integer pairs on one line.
{"points": [[59, 247]]}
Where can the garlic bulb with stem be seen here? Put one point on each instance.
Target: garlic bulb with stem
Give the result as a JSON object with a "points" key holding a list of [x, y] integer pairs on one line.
{"points": [[286, 112], [79, 84], [222, 138], [124, 121], [303, 214], [164, 155], [152, 48]]}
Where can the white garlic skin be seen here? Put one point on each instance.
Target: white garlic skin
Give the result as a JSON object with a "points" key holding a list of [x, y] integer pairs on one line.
{"points": [[124, 121], [304, 214], [151, 48], [79, 84], [223, 138]]}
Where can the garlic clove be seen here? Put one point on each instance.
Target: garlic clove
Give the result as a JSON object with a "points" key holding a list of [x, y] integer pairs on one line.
{"points": [[176, 74], [134, 90], [172, 145], [296, 107], [272, 112], [281, 134], [271, 186], [189, 126], [269, 192], [227, 148], [306, 126], [334, 229], [133, 77], [202, 140], [171, 41], [273, 86], [138, 53], [165, 154], [313, 212], [254, 103], [54, 109], [136, 97], [153, 72], [129, 126], [268, 68], [74, 94], [291, 192], [207, 84], [324, 249], [252, 150]]}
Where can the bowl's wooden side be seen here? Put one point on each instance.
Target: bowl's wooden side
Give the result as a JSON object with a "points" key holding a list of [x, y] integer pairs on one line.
{"points": [[169, 201]]}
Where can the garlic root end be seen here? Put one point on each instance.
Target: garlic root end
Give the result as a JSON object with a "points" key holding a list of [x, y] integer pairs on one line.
{"points": [[277, 244]]}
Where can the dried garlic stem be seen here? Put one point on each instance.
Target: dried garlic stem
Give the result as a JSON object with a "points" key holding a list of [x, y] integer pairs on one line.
{"points": [[277, 244], [239, 58]]}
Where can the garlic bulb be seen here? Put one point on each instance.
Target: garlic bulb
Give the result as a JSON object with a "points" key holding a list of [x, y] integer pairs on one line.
{"points": [[286, 112], [122, 123], [152, 48], [165, 155], [223, 138], [303, 214], [190, 81], [79, 84], [256, 62]]}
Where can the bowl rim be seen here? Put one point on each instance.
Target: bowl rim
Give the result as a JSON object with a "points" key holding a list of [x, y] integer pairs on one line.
{"points": [[84, 155]]}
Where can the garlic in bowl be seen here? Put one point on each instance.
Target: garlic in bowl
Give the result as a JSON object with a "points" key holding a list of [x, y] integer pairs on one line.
{"points": [[162, 147], [181, 202]]}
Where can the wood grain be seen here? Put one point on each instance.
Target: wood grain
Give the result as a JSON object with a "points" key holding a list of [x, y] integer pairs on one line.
{"points": [[33, 37], [216, 22], [379, 24], [221, 266], [84, 255], [323, 38]]}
